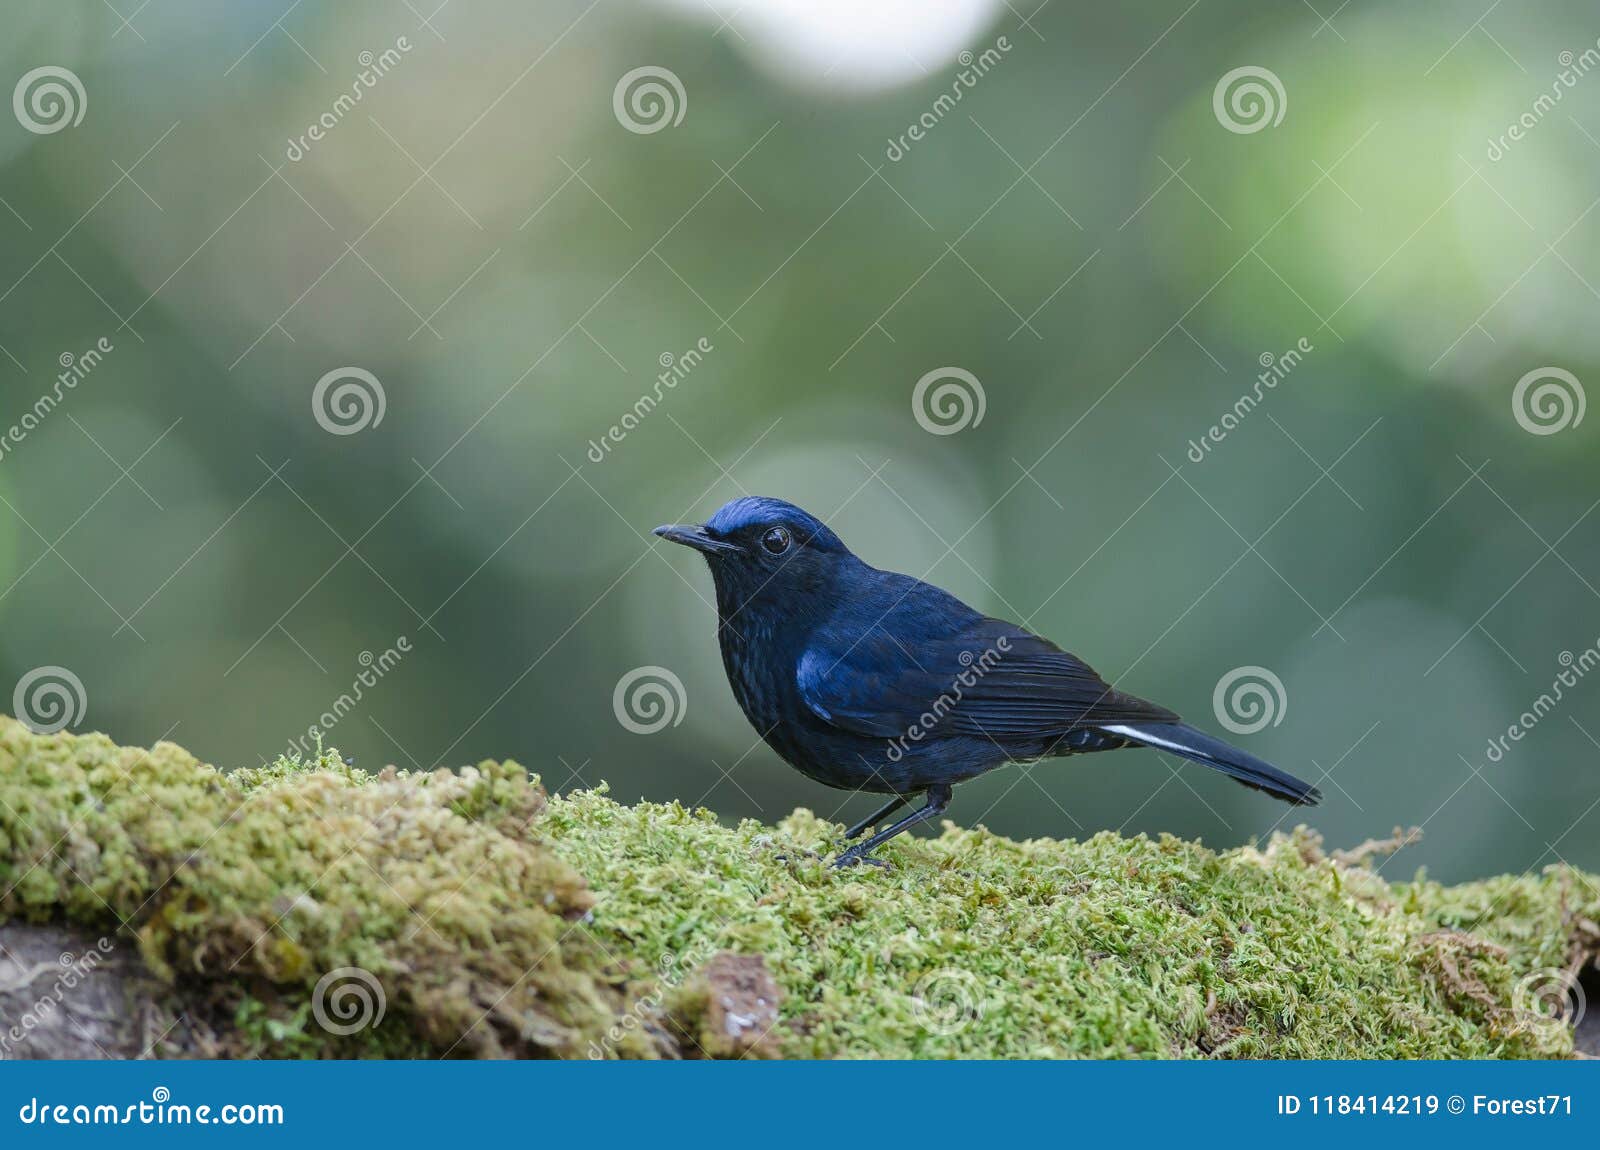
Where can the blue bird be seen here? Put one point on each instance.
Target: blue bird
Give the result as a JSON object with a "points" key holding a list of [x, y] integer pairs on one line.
{"points": [[869, 680]]}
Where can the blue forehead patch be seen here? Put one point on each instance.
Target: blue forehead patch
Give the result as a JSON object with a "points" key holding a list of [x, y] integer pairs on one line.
{"points": [[758, 510]]}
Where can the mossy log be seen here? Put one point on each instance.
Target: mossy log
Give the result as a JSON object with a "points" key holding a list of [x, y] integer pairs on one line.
{"points": [[155, 906]]}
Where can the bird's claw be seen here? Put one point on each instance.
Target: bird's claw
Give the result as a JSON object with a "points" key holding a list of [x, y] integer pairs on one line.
{"points": [[854, 855]]}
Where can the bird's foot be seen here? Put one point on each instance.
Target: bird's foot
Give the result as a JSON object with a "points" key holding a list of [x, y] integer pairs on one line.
{"points": [[856, 855]]}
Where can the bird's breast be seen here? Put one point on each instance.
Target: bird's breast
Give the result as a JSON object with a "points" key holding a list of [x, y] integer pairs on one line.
{"points": [[761, 661], [761, 677]]}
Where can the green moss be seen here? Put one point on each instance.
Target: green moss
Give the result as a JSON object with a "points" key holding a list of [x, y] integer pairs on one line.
{"points": [[245, 891], [502, 922], [978, 946]]}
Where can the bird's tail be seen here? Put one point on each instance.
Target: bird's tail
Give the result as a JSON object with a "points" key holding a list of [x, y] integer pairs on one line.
{"points": [[1182, 739]]}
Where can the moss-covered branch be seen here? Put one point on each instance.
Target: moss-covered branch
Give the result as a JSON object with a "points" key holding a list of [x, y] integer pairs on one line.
{"points": [[494, 920]]}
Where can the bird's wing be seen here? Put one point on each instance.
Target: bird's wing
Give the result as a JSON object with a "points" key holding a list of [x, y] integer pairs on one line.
{"points": [[980, 677]]}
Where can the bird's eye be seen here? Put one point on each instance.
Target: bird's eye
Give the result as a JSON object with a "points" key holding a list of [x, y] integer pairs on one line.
{"points": [[776, 540]]}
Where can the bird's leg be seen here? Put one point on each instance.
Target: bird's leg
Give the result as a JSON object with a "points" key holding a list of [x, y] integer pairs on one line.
{"points": [[938, 800], [877, 816]]}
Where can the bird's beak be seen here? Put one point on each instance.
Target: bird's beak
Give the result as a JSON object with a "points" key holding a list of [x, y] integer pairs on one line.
{"points": [[693, 535]]}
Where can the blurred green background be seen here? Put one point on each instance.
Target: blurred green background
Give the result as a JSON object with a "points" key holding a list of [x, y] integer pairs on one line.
{"points": [[1082, 232]]}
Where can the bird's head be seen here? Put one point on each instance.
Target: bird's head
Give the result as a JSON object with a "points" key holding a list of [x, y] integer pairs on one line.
{"points": [[757, 545]]}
